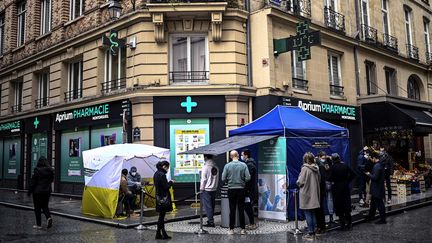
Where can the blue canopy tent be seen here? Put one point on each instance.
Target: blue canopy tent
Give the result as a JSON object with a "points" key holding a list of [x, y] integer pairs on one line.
{"points": [[303, 133]]}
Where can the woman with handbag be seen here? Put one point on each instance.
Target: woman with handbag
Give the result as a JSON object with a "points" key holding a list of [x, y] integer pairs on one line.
{"points": [[163, 197]]}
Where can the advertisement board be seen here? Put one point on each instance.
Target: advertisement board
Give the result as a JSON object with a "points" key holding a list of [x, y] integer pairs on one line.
{"points": [[39, 147], [72, 145], [12, 158]]}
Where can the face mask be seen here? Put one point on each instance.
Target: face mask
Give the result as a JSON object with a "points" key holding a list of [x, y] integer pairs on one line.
{"points": [[366, 156], [242, 158], [133, 173]]}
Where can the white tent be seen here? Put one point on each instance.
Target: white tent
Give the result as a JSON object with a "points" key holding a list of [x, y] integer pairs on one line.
{"points": [[102, 173]]}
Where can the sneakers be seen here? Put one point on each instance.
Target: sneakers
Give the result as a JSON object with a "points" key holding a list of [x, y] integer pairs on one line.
{"points": [[230, 232], [389, 201], [243, 232], [49, 223], [320, 232], [361, 201], [308, 237], [212, 225], [251, 227], [37, 227]]}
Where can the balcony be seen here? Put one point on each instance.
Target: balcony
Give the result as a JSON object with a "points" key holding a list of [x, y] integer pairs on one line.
{"points": [[16, 108], [73, 95], [297, 7], [369, 34], [113, 85], [336, 90], [334, 20], [429, 58], [194, 77], [39, 103], [187, 1], [390, 42], [412, 52], [300, 84]]}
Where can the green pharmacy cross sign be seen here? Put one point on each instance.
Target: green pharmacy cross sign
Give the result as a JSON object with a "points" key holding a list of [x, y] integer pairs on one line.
{"points": [[36, 123], [113, 42], [302, 42], [189, 104]]}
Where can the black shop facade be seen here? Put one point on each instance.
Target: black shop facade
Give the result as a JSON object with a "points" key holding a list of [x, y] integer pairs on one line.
{"points": [[11, 154], [84, 128], [182, 123], [342, 115]]}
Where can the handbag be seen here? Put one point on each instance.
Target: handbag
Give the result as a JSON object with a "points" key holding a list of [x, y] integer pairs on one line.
{"points": [[163, 202]]}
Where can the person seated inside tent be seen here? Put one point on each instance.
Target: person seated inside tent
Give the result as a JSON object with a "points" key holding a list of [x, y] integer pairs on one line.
{"points": [[128, 196], [134, 180]]}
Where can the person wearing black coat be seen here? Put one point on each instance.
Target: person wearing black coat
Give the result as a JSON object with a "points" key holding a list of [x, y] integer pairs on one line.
{"points": [[323, 165], [162, 191], [40, 187], [377, 189], [250, 189], [341, 176]]}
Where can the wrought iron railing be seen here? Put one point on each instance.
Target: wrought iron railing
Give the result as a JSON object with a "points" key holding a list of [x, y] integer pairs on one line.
{"points": [[369, 34], [334, 19], [412, 52], [186, 1], [429, 58], [39, 103], [189, 76], [390, 42], [73, 94], [425, 1], [113, 85], [300, 84], [300, 7], [16, 108], [336, 90]]}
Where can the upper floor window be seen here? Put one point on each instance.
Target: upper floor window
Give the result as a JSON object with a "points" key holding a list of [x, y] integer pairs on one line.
{"points": [[76, 9], [336, 88], [22, 9], [2, 33], [391, 82], [75, 80], [298, 72], [364, 12], [385, 17], [43, 90], [115, 71], [372, 87], [18, 95], [413, 88], [426, 34], [189, 59], [46, 15], [408, 27]]}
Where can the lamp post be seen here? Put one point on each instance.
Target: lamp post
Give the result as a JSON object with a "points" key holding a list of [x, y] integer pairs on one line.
{"points": [[114, 9]]}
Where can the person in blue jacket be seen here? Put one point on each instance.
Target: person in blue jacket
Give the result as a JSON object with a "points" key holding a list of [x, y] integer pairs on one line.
{"points": [[377, 189]]}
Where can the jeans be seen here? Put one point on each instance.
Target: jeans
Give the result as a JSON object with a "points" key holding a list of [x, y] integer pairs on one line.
{"points": [[362, 186], [209, 201], [388, 184], [40, 202], [377, 203], [236, 199], [310, 220]]}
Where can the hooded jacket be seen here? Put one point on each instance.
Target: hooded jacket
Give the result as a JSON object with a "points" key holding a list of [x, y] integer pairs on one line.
{"points": [[209, 176], [41, 180], [309, 183]]}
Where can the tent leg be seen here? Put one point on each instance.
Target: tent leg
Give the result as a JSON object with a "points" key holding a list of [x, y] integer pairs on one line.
{"points": [[295, 231], [141, 226]]}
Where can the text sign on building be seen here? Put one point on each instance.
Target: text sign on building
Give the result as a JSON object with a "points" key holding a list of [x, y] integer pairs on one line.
{"points": [[9, 128], [301, 43], [324, 110]]}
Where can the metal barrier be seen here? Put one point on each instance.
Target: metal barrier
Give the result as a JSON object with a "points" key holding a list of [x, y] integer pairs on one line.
{"points": [[201, 230], [141, 226], [296, 231]]}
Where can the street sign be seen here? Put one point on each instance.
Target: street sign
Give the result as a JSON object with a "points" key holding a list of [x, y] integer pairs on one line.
{"points": [[301, 42], [113, 42]]}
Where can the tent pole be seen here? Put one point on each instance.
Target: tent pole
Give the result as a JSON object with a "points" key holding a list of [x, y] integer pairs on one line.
{"points": [[141, 226]]}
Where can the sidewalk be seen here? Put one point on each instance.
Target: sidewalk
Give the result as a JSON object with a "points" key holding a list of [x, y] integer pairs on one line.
{"points": [[71, 208], [186, 219]]}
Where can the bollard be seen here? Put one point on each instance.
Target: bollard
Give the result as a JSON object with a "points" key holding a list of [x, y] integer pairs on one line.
{"points": [[141, 226], [295, 231], [201, 230]]}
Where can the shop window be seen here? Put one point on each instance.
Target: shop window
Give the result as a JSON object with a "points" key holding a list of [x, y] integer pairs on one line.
{"points": [[115, 71], [21, 32], [43, 90], [46, 15], [391, 82], [336, 88], [75, 80], [18, 95], [189, 59], [76, 9], [2, 33], [298, 72], [413, 88], [372, 87]]}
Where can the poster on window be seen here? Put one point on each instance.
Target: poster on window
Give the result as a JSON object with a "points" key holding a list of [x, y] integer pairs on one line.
{"points": [[106, 136], [1, 159], [186, 135], [39, 147], [12, 158], [272, 180], [72, 145]]}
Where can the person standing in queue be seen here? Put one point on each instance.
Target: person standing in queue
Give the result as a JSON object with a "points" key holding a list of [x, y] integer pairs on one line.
{"points": [[40, 187], [208, 187], [250, 188], [163, 197], [341, 176], [309, 184], [323, 166], [236, 174], [377, 189], [387, 161], [362, 179]]}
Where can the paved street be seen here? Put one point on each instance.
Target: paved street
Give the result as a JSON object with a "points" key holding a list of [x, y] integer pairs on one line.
{"points": [[412, 226]]}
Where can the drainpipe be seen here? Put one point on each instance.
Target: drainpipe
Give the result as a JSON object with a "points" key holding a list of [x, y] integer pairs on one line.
{"points": [[248, 45], [356, 65]]}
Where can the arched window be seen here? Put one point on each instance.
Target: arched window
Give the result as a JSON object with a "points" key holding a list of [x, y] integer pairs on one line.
{"points": [[413, 88]]}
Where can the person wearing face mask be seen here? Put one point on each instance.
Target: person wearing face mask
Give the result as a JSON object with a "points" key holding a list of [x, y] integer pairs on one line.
{"points": [[250, 187], [321, 161], [134, 182], [362, 162], [162, 193]]}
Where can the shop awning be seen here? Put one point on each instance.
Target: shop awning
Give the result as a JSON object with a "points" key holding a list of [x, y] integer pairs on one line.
{"points": [[388, 116], [229, 144]]}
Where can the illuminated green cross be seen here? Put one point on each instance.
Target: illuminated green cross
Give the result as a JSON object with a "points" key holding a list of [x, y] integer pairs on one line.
{"points": [[189, 104], [36, 123]]}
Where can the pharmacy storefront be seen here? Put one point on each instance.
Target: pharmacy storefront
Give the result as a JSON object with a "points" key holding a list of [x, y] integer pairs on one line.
{"points": [[11, 150], [85, 128]]}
